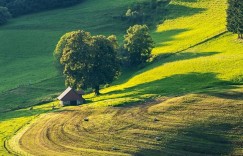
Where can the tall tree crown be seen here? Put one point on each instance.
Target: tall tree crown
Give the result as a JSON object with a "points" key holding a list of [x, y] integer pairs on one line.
{"points": [[87, 61]]}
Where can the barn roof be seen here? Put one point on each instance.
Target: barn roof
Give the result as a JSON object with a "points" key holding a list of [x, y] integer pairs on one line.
{"points": [[80, 92], [69, 95]]}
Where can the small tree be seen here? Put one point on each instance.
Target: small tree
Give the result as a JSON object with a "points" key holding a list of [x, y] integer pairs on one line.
{"points": [[88, 61], [139, 44], [235, 17], [4, 15]]}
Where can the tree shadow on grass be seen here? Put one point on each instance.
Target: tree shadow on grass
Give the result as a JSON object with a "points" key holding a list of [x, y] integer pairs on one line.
{"points": [[177, 11], [168, 12], [162, 38], [163, 58], [174, 11], [227, 94], [197, 139], [176, 85], [159, 61]]}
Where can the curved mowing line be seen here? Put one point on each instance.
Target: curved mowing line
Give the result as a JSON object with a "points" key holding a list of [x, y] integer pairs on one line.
{"points": [[129, 129]]}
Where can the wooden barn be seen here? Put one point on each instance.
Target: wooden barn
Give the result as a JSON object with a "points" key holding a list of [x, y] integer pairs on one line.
{"points": [[71, 97]]}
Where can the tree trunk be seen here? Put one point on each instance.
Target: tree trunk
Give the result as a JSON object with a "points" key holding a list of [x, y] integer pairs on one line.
{"points": [[97, 90], [239, 36]]}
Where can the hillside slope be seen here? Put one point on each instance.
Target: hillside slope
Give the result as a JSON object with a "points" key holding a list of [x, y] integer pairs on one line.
{"points": [[33, 39], [27, 44], [188, 125], [201, 84]]}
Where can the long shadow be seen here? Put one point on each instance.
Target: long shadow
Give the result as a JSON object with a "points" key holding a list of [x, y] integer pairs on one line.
{"points": [[177, 11], [161, 38], [176, 85], [172, 11], [226, 94], [162, 59], [128, 73], [198, 139], [141, 89]]}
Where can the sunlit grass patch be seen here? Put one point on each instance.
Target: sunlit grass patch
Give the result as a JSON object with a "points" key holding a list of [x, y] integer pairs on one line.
{"points": [[189, 125]]}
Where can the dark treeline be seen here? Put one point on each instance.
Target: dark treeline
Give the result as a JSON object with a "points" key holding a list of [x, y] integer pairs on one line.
{"points": [[235, 17], [146, 12], [21, 7]]}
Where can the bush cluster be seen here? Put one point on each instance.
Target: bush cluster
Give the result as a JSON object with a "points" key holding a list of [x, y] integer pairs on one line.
{"points": [[21, 7]]}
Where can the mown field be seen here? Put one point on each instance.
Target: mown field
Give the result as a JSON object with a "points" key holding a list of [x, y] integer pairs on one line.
{"points": [[194, 124], [194, 86]]}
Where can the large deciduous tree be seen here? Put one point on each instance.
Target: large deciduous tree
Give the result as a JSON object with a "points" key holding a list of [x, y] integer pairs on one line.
{"points": [[87, 61], [139, 44], [235, 17]]}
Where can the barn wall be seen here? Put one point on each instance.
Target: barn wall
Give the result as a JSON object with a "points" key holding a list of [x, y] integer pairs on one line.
{"points": [[79, 102], [67, 103], [64, 103]]}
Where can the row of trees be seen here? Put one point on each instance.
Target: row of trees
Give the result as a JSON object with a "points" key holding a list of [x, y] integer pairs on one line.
{"points": [[21, 7], [235, 17], [146, 12], [89, 61]]}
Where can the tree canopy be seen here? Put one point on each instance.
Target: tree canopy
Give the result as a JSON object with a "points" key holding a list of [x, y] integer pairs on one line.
{"points": [[139, 44], [146, 11], [20, 7], [235, 17], [4, 15], [88, 61]]}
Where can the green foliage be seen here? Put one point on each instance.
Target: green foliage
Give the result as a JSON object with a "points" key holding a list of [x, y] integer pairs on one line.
{"points": [[88, 61], [146, 12], [4, 15], [36, 36], [235, 17], [59, 50], [20, 7], [32, 39], [139, 44]]}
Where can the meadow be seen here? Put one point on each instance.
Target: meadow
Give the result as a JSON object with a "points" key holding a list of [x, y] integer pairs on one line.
{"points": [[193, 86], [194, 124]]}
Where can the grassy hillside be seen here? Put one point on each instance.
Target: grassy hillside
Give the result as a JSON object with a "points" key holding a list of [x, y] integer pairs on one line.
{"points": [[34, 37], [12, 122], [194, 70], [198, 73], [196, 21], [195, 124], [27, 44]]}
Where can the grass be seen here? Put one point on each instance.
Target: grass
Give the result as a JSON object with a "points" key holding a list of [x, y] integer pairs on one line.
{"points": [[187, 29], [33, 39], [182, 73], [190, 27], [200, 84], [193, 124], [12, 122]]}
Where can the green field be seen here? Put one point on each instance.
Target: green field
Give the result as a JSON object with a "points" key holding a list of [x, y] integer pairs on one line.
{"points": [[194, 86], [27, 44]]}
